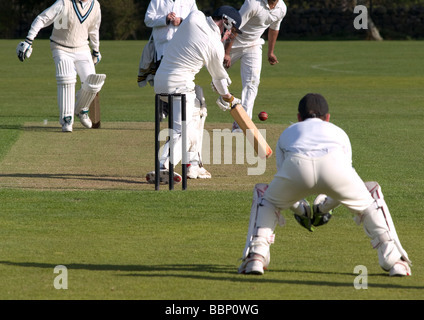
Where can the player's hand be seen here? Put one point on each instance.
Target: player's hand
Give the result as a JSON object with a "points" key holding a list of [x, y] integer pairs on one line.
{"points": [[226, 103], [177, 21], [272, 59], [96, 57], [24, 49], [170, 17]]}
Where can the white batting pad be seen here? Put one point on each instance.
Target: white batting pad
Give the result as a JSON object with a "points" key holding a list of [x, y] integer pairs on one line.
{"points": [[66, 79], [386, 219], [85, 96], [268, 220]]}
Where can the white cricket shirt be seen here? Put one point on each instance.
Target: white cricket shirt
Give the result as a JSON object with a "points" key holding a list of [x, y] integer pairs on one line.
{"points": [[256, 17], [312, 138], [156, 18], [76, 22], [197, 43]]}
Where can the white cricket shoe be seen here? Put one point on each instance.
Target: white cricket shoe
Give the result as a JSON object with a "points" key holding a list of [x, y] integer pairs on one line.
{"points": [[67, 127], [197, 172], [85, 119], [163, 177], [400, 269], [253, 264]]}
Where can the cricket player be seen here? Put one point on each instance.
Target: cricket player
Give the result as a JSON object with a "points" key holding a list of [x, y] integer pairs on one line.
{"points": [[164, 17], [314, 156], [197, 43], [76, 28], [257, 16]]}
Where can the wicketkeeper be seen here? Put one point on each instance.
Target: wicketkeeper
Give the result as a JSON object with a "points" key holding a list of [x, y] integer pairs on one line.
{"points": [[74, 23], [315, 157]]}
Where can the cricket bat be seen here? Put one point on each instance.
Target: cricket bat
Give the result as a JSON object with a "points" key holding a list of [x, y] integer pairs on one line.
{"points": [[256, 139], [95, 112]]}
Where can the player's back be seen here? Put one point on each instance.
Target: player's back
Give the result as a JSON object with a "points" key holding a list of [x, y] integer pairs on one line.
{"points": [[185, 54]]}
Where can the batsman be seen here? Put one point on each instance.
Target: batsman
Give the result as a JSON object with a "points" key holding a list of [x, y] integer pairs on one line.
{"points": [[195, 45], [314, 156], [74, 43]]}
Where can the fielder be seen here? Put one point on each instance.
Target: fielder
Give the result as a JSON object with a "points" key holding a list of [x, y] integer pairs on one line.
{"points": [[197, 43], [76, 26], [315, 157], [256, 16], [164, 17]]}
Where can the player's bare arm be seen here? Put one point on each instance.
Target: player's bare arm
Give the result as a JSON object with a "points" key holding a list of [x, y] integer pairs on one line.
{"points": [[228, 40], [272, 39]]}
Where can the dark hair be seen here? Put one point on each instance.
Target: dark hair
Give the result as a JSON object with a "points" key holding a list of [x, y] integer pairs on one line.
{"points": [[313, 105]]}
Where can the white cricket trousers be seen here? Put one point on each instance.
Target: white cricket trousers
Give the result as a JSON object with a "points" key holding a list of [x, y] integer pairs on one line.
{"points": [[82, 61], [250, 72], [68, 66], [332, 174]]}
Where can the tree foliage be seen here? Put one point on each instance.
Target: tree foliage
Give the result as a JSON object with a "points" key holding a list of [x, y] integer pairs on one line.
{"points": [[124, 19]]}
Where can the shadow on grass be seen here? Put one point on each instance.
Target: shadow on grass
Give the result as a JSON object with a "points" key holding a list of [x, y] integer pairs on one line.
{"points": [[214, 273], [58, 129], [11, 127], [72, 176]]}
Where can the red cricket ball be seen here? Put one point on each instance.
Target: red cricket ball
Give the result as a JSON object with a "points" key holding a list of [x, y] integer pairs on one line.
{"points": [[263, 115]]}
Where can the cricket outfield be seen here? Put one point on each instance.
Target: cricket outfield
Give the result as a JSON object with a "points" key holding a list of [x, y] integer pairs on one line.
{"points": [[80, 200]]}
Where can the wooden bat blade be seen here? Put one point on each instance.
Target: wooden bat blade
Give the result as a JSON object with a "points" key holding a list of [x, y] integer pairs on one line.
{"points": [[245, 123], [95, 112]]}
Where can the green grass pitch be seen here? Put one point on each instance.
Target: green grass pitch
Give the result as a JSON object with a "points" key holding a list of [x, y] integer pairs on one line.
{"points": [[80, 200]]}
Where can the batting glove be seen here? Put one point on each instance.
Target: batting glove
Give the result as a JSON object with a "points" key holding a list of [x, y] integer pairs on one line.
{"points": [[226, 104], [96, 57], [24, 49]]}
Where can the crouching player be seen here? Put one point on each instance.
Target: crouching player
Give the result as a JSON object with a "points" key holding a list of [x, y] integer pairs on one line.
{"points": [[315, 157], [74, 23]]}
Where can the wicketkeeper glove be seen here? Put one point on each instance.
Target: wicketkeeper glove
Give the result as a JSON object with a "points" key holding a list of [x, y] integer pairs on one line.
{"points": [[303, 214], [316, 218], [304, 222], [320, 218], [24, 49], [316, 221], [96, 57], [226, 104]]}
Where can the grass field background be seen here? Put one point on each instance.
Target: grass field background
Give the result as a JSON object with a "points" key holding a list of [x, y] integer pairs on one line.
{"points": [[81, 200]]}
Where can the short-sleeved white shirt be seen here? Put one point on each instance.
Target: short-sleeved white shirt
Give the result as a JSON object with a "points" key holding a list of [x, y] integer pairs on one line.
{"points": [[256, 17]]}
